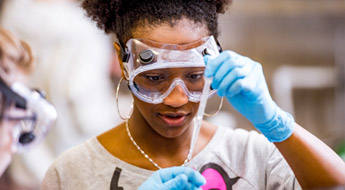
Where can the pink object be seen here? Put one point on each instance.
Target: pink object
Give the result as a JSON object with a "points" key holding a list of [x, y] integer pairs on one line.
{"points": [[214, 180]]}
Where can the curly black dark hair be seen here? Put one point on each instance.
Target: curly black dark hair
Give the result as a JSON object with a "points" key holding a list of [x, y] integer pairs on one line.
{"points": [[122, 17]]}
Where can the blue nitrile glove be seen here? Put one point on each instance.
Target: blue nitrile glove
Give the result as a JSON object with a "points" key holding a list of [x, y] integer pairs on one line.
{"points": [[242, 82], [174, 178]]}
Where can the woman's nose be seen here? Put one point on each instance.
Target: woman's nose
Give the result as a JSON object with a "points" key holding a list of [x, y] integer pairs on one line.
{"points": [[176, 98]]}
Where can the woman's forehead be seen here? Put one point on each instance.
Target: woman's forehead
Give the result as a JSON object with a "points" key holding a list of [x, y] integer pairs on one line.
{"points": [[183, 32]]}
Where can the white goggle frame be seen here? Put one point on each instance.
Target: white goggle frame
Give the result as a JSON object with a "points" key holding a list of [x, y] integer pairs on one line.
{"points": [[166, 56], [42, 110]]}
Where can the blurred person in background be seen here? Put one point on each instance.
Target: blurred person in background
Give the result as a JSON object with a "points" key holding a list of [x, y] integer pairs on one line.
{"points": [[72, 60], [25, 116]]}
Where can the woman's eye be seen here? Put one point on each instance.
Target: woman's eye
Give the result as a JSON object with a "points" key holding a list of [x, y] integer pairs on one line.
{"points": [[196, 76], [154, 78]]}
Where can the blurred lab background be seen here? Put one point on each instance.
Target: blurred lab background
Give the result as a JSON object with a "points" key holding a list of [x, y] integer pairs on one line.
{"points": [[300, 43]]}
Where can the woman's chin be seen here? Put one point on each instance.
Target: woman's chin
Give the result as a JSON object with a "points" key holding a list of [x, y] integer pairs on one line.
{"points": [[173, 131]]}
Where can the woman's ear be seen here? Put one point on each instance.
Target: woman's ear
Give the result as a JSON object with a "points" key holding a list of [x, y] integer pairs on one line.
{"points": [[117, 61]]}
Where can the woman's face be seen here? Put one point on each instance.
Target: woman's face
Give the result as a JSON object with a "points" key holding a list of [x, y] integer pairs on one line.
{"points": [[172, 117], [6, 141], [7, 126]]}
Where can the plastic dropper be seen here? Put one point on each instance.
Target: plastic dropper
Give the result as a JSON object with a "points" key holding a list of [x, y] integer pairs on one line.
{"points": [[202, 105], [199, 115]]}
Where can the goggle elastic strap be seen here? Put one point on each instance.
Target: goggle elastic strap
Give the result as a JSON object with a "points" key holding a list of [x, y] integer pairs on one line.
{"points": [[124, 54], [10, 96], [220, 49]]}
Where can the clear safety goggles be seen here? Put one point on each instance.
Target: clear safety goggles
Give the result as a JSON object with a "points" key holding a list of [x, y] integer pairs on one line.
{"points": [[29, 113], [154, 69]]}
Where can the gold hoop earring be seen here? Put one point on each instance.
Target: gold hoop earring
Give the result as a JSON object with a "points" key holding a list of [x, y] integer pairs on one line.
{"points": [[117, 102], [220, 107]]}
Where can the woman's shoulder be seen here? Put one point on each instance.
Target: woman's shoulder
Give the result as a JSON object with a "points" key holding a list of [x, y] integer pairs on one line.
{"points": [[239, 139], [85, 151], [90, 165], [235, 133], [238, 144]]}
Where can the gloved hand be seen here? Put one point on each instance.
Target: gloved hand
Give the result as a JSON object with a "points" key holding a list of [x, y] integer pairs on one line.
{"points": [[174, 178], [242, 82]]}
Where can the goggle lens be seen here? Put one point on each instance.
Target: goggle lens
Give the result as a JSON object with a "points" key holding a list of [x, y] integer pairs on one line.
{"points": [[154, 70]]}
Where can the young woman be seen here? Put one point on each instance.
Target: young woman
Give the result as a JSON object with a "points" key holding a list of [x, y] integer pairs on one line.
{"points": [[25, 117], [163, 47]]}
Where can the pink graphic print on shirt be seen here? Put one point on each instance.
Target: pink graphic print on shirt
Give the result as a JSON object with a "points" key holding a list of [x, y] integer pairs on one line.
{"points": [[216, 178]]}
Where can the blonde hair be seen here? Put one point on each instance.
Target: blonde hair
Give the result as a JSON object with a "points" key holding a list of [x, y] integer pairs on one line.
{"points": [[14, 52]]}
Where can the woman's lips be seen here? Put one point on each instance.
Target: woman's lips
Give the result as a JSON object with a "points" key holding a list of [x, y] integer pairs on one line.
{"points": [[173, 119]]}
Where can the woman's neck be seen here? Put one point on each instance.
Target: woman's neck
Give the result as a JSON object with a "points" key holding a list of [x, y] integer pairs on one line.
{"points": [[166, 152], [155, 144]]}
